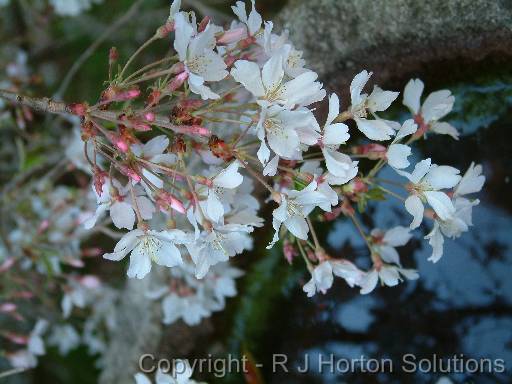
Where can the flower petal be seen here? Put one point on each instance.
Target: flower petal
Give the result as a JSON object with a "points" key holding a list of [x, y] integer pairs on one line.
{"points": [[412, 95], [122, 215], [297, 226], [397, 155], [415, 207], [375, 129], [248, 74], [441, 204]]}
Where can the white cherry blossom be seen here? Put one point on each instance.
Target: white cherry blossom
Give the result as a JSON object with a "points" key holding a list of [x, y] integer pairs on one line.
{"points": [[154, 152], [200, 298], [217, 245], [285, 132], [197, 53], [322, 275], [362, 104], [79, 293], [427, 180], [436, 106], [453, 227], [397, 153], [252, 22], [35, 341], [146, 247], [270, 87], [65, 338], [333, 135], [182, 373], [227, 179], [295, 206], [384, 243], [389, 275], [117, 199]]}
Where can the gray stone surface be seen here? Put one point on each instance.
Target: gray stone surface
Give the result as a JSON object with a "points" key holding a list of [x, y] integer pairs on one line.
{"points": [[396, 37]]}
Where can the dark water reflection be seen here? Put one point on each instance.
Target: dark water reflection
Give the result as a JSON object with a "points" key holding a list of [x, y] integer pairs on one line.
{"points": [[461, 306]]}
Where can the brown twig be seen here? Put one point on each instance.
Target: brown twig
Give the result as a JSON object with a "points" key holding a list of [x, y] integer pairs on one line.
{"points": [[44, 104]]}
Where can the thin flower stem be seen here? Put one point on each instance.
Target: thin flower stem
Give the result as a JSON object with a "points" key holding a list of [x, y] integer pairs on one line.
{"points": [[151, 76], [313, 233], [254, 173], [136, 53], [377, 167], [296, 173], [222, 120], [86, 155], [11, 372], [149, 66], [360, 229], [389, 192], [387, 181], [137, 211], [162, 167], [304, 256], [242, 135], [193, 191]]}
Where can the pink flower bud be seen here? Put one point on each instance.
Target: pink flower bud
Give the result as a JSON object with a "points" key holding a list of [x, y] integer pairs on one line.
{"points": [[15, 338], [7, 307], [92, 252], [203, 24], [369, 148], [141, 127], [24, 295], [128, 95], [289, 251], [149, 116], [113, 55], [177, 205], [77, 263], [7, 264], [131, 174], [195, 130], [359, 186], [134, 177], [164, 30], [178, 81], [90, 281], [232, 36], [177, 68], [122, 145], [119, 142], [43, 226], [248, 41], [79, 109], [229, 60]]}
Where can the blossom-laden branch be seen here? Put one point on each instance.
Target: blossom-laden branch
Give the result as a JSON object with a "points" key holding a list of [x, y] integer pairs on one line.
{"points": [[176, 147]]}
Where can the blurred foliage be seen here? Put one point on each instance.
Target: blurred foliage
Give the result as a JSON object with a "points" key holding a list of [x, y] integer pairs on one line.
{"points": [[53, 44]]}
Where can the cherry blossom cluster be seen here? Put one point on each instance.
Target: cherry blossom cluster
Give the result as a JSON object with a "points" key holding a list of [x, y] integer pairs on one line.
{"points": [[240, 102], [183, 152]]}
